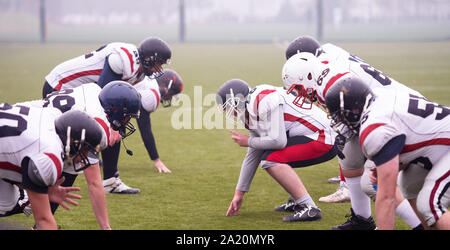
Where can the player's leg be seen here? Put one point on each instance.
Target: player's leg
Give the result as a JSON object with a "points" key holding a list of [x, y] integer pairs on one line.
{"points": [[434, 197], [352, 169], [111, 181], [342, 193], [300, 151]]}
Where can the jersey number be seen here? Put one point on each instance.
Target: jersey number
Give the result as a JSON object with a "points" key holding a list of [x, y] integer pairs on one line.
{"points": [[413, 108], [376, 74], [21, 126], [62, 101]]}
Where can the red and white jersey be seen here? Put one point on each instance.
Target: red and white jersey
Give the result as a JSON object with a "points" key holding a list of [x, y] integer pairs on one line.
{"points": [[339, 64], [27, 131], [87, 68], [312, 123], [83, 98], [150, 95], [425, 124]]}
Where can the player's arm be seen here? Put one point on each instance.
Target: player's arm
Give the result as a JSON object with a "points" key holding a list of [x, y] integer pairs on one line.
{"points": [[275, 133], [112, 70], [387, 162], [97, 195], [248, 170], [37, 190], [145, 127]]}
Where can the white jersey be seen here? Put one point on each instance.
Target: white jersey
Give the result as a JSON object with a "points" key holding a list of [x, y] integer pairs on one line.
{"points": [[425, 124], [27, 131], [150, 95], [338, 64], [87, 68], [312, 123], [83, 98]]}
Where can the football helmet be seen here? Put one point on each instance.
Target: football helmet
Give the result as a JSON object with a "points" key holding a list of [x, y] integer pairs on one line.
{"points": [[232, 99], [80, 135], [303, 44], [170, 84], [346, 100], [121, 102], [300, 74], [153, 53]]}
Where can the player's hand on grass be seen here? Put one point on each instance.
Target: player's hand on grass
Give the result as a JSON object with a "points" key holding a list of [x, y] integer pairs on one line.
{"points": [[236, 203], [61, 195], [161, 167]]}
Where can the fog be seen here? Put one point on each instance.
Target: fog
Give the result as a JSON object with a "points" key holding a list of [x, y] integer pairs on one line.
{"points": [[223, 21]]}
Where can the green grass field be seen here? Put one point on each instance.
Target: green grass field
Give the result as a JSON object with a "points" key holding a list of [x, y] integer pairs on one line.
{"points": [[205, 163]]}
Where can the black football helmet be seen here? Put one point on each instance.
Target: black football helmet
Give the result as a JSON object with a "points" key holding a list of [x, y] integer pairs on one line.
{"points": [[80, 135], [121, 102], [153, 53], [232, 99], [170, 84], [303, 44], [346, 100]]}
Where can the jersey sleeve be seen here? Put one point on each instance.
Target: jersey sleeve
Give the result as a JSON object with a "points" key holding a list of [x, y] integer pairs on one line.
{"points": [[150, 95], [375, 136], [48, 165], [129, 60]]}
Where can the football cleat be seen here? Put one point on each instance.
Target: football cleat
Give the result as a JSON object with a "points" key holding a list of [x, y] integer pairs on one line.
{"points": [[286, 207], [335, 179], [342, 194], [114, 185], [356, 222], [303, 212]]}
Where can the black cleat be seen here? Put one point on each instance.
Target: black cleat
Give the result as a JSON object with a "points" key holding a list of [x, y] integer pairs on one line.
{"points": [[286, 207], [304, 212], [357, 222]]}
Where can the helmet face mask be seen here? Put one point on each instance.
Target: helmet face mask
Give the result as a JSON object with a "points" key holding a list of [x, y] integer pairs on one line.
{"points": [[299, 75], [346, 101], [232, 98]]}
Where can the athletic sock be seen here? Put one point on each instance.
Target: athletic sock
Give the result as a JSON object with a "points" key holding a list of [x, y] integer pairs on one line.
{"points": [[360, 201], [407, 214], [306, 199]]}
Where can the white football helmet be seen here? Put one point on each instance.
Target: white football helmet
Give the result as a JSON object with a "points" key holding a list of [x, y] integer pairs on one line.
{"points": [[300, 74]]}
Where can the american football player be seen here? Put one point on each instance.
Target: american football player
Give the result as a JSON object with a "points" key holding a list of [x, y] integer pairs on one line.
{"points": [[405, 135], [35, 143], [282, 137], [110, 62], [311, 72], [112, 108], [153, 92]]}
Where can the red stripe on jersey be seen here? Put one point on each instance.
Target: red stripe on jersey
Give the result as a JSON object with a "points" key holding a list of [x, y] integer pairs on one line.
{"points": [[260, 96], [325, 62], [157, 96], [292, 118], [332, 81], [9, 166], [104, 126], [77, 75], [433, 193], [437, 141], [56, 162], [130, 57], [368, 130]]}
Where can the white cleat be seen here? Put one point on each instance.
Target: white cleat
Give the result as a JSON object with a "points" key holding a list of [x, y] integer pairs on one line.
{"points": [[114, 185], [342, 194]]}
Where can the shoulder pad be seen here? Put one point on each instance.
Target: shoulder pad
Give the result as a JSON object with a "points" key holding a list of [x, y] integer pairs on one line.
{"points": [[115, 63]]}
